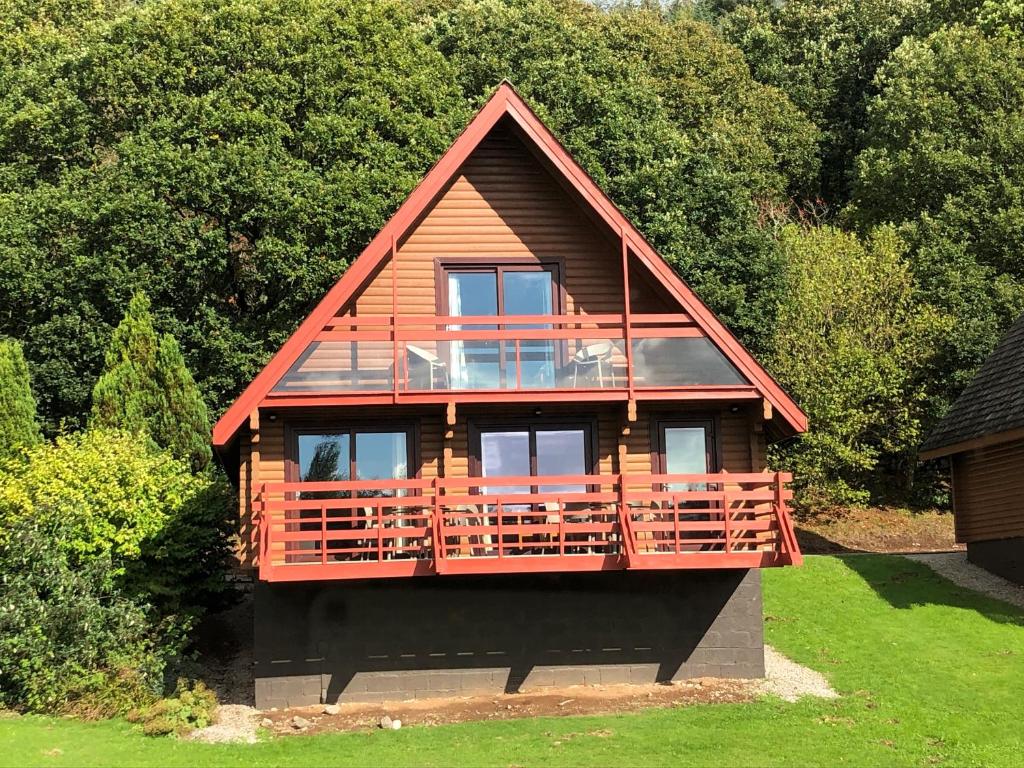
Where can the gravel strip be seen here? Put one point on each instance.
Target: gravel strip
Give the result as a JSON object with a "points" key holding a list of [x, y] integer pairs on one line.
{"points": [[791, 681], [236, 723], [955, 567]]}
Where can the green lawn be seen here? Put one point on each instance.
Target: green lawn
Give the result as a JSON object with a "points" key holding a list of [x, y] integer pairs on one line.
{"points": [[930, 675]]}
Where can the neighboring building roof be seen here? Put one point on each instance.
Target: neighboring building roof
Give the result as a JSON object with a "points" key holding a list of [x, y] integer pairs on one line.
{"points": [[505, 102], [992, 404]]}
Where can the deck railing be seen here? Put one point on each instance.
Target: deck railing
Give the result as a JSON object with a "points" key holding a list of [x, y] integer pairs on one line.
{"points": [[381, 528], [432, 355]]}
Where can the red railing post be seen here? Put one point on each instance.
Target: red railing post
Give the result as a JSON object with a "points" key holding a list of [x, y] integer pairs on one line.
{"points": [[439, 552], [727, 519], [497, 509], [323, 533], [675, 519], [380, 532], [561, 528]]}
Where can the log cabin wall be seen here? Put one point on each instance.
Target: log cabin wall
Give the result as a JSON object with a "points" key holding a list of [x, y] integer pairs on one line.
{"points": [[504, 204], [988, 493]]}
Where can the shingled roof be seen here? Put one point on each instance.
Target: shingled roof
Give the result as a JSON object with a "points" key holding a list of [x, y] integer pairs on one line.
{"points": [[991, 404]]}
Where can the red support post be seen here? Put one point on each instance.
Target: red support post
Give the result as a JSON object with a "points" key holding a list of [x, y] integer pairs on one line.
{"points": [[627, 312], [394, 314]]}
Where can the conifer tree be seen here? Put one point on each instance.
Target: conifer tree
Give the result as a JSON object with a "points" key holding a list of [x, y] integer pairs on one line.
{"points": [[145, 387], [18, 425]]}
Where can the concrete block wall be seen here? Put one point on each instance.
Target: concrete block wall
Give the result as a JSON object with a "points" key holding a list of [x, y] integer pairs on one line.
{"points": [[1003, 557], [440, 636]]}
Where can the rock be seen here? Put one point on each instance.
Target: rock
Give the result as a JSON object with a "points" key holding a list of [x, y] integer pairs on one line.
{"points": [[332, 709], [396, 724], [385, 722], [300, 723], [266, 722]]}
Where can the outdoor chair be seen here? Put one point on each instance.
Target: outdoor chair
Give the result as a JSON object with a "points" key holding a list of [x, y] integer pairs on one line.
{"points": [[591, 358], [434, 364]]}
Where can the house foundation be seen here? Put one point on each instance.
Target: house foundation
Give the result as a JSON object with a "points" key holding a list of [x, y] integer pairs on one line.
{"points": [[368, 641], [1003, 557]]}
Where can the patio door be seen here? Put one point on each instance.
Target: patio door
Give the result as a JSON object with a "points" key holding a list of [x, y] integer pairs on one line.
{"points": [[493, 291], [688, 448], [535, 451]]}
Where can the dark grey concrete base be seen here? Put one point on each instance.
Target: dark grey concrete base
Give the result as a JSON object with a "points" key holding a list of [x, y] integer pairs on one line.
{"points": [[1003, 557], [436, 636]]}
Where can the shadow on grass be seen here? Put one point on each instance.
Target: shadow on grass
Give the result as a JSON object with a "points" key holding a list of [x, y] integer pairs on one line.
{"points": [[905, 584], [812, 543]]}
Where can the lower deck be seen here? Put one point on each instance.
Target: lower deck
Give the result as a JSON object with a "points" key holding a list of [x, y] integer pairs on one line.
{"points": [[327, 494]]}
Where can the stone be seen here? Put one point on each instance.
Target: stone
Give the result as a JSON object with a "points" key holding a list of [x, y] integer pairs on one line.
{"points": [[332, 709], [266, 722], [385, 722], [396, 724], [300, 723]]}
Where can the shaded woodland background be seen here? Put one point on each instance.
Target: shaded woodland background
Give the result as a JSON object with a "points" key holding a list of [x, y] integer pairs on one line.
{"points": [[842, 181]]}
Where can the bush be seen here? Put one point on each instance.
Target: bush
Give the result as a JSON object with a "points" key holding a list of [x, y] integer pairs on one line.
{"points": [[70, 642], [192, 706], [18, 425], [116, 499]]}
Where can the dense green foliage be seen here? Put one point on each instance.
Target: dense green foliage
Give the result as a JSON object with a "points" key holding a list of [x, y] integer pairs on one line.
{"points": [[18, 426], [928, 674], [231, 157], [112, 497], [145, 388], [852, 342], [70, 641]]}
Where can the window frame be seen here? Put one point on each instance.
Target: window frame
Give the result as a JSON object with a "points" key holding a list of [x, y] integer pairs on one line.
{"points": [[556, 266], [530, 424], [294, 431], [710, 422]]}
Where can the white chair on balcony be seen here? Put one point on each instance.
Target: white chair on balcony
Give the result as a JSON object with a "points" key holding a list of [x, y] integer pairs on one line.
{"points": [[594, 357], [433, 362]]}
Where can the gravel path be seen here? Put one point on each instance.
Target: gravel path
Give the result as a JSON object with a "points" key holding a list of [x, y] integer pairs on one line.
{"points": [[954, 566], [791, 681], [235, 723]]}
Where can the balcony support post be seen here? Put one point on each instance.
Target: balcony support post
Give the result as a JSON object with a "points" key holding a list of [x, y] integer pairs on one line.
{"points": [[257, 497], [394, 315], [627, 326]]}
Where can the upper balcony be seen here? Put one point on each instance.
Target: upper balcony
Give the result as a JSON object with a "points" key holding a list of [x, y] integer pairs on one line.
{"points": [[437, 359]]}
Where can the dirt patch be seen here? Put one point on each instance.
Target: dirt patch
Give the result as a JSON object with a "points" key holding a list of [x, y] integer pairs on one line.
{"points": [[876, 529], [574, 700]]}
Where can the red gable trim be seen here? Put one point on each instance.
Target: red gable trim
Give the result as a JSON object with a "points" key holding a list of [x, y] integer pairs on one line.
{"points": [[505, 101]]}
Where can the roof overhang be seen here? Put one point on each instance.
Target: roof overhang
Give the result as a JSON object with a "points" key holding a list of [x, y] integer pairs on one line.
{"points": [[982, 441]]}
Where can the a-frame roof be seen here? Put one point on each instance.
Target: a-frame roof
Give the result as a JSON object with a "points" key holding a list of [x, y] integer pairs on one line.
{"points": [[504, 103]]}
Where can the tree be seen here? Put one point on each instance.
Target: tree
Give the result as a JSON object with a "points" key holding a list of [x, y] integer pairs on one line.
{"points": [[824, 56], [146, 388], [230, 157], [944, 159], [851, 343], [18, 425]]}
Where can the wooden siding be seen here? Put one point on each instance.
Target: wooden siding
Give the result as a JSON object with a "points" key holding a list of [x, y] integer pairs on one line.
{"points": [[988, 492], [503, 203]]}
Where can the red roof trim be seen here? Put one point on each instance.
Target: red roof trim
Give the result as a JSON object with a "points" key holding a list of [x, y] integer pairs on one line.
{"points": [[505, 101]]}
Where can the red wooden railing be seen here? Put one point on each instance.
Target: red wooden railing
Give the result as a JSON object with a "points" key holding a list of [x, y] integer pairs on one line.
{"points": [[381, 528]]}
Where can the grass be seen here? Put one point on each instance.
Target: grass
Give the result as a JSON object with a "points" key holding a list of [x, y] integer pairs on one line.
{"points": [[930, 675]]}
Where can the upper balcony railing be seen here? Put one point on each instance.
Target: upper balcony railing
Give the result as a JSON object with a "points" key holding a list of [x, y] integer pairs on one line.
{"points": [[381, 528], [413, 355]]}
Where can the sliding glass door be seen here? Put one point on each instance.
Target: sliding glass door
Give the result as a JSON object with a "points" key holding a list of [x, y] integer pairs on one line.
{"points": [[494, 291]]}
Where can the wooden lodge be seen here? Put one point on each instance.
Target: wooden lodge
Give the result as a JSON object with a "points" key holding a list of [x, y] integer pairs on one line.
{"points": [[511, 390], [983, 437]]}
